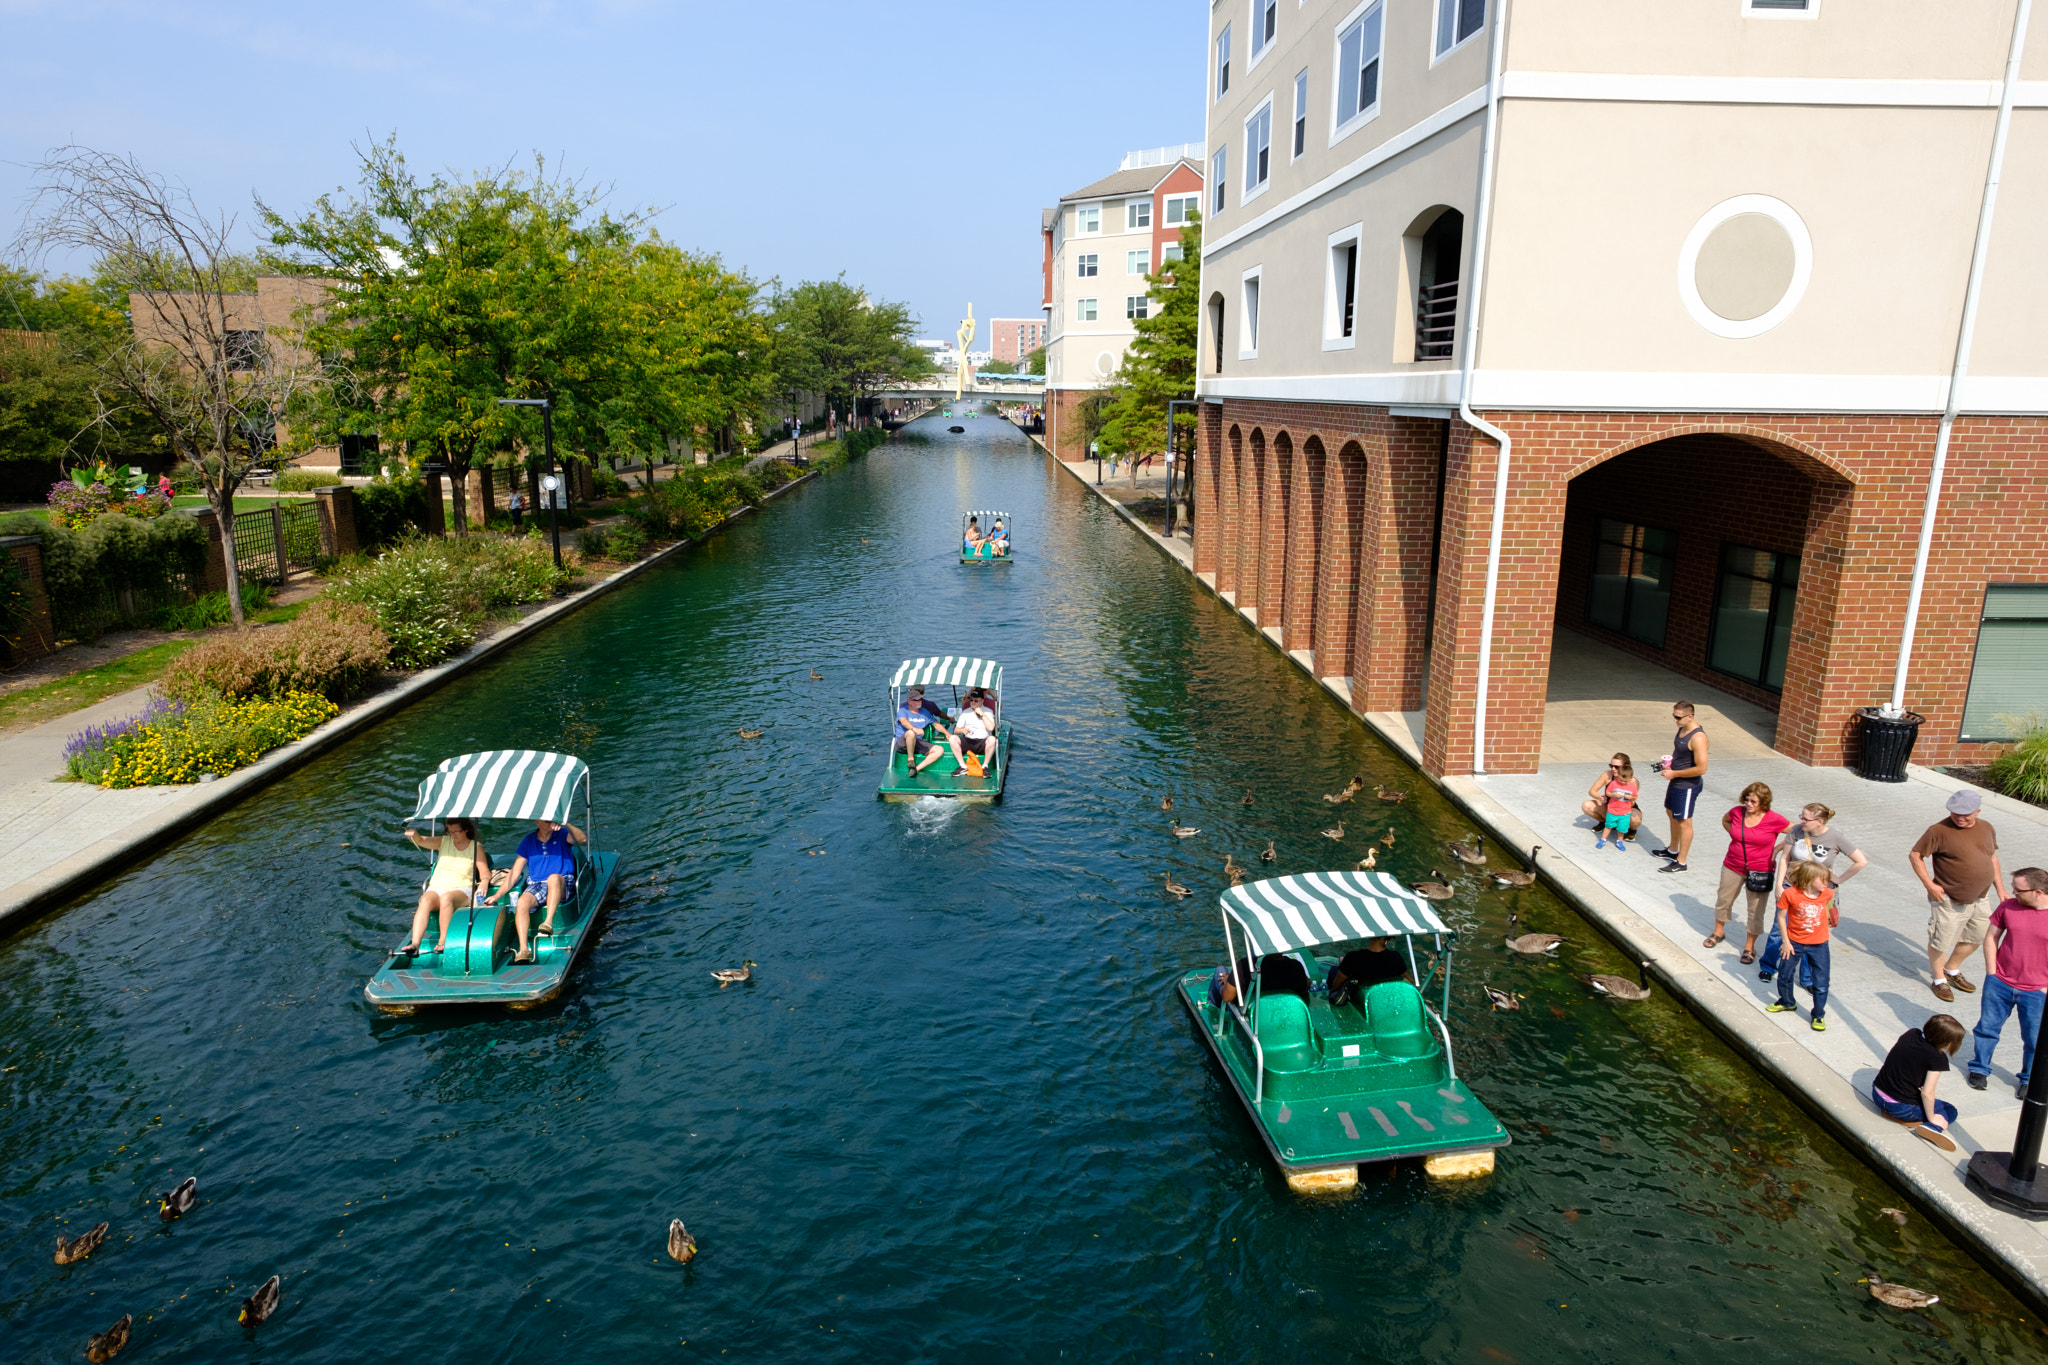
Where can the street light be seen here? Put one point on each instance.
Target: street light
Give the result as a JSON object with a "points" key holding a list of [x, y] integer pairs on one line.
{"points": [[549, 484], [2013, 1180], [1095, 449]]}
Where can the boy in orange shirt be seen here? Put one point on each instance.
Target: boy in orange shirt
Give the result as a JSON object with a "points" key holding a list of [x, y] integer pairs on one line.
{"points": [[1806, 912]]}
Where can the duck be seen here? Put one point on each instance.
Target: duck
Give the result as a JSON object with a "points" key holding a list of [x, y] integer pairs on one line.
{"points": [[1897, 1295], [1369, 861], [1335, 831], [1524, 878], [1270, 855], [1351, 789], [1534, 945], [1502, 1000], [1232, 870], [751, 734], [1174, 888], [816, 676], [1473, 853], [1395, 798], [262, 1303], [1896, 1215], [73, 1250], [108, 1344], [178, 1201], [1248, 798], [1620, 987], [1436, 889], [1388, 837], [1166, 803], [1181, 831], [681, 1245], [729, 976]]}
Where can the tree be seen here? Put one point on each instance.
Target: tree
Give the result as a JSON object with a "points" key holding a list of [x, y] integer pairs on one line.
{"points": [[998, 367], [831, 340], [1034, 363], [188, 364], [1159, 366]]}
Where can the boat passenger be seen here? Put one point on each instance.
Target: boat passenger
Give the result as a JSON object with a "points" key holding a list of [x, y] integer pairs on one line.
{"points": [[911, 719], [548, 861], [1283, 973], [460, 866], [971, 543], [998, 539], [1363, 968], [1228, 987], [975, 730]]}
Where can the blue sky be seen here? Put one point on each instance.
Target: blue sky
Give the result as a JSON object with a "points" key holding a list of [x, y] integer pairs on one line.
{"points": [[910, 145]]}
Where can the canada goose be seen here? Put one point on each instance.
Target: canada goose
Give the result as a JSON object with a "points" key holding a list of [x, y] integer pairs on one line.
{"points": [[1248, 799], [1388, 838], [1369, 861], [1181, 831], [260, 1304], [1351, 789], [178, 1201], [1270, 855], [681, 1245], [1335, 831], [1383, 794], [1897, 1295], [816, 676], [751, 734], [1620, 987], [1502, 1000], [1527, 878], [1473, 853], [108, 1344], [76, 1249], [728, 976], [1533, 944], [1174, 888], [1166, 803], [1435, 889]]}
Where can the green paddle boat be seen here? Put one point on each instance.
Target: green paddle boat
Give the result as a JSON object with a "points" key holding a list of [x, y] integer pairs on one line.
{"points": [[1329, 1086], [946, 776], [976, 545], [476, 967]]}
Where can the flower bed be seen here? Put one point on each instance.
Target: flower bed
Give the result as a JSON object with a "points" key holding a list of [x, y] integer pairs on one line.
{"points": [[332, 649], [430, 596], [176, 742]]}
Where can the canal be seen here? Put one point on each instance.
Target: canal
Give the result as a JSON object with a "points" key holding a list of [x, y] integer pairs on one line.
{"points": [[957, 1115]]}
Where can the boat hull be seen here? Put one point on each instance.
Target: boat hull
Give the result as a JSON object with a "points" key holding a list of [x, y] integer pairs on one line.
{"points": [[946, 778]]}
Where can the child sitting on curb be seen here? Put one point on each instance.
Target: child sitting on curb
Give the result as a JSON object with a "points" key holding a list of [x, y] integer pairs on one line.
{"points": [[1904, 1088], [1806, 912]]}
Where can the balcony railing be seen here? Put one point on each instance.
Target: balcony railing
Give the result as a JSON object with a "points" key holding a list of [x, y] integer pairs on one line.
{"points": [[1436, 320]]}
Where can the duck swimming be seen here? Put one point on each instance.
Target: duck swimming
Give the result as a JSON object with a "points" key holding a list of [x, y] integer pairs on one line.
{"points": [[83, 1245], [1383, 794], [1335, 831], [1502, 1000], [261, 1304], [108, 1344], [1898, 1295], [178, 1201], [1174, 888], [1181, 831], [1369, 861], [1270, 855], [730, 976], [681, 1245]]}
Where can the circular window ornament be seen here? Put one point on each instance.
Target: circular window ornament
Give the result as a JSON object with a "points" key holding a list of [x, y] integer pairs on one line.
{"points": [[1745, 266], [1105, 364]]}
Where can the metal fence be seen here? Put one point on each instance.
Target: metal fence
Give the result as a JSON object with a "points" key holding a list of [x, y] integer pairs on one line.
{"points": [[270, 542]]}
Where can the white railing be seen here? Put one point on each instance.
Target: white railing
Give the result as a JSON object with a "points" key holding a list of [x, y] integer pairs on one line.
{"points": [[1160, 156]]}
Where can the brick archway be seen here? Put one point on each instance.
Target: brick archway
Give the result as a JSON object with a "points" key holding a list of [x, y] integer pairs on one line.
{"points": [[1337, 567], [1229, 550], [1287, 544], [1251, 569], [1305, 546]]}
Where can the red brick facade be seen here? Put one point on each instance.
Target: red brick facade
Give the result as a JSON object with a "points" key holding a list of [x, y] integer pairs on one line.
{"points": [[1336, 551]]}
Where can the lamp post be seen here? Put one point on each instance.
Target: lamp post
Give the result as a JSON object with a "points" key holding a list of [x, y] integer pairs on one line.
{"points": [[2014, 1180], [549, 484], [1095, 449], [1172, 441]]}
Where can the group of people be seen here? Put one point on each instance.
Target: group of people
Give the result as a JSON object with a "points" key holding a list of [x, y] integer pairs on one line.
{"points": [[1357, 972], [991, 544], [970, 737], [543, 869], [1790, 872]]}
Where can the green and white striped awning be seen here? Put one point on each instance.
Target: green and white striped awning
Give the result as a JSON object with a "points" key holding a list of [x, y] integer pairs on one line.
{"points": [[987, 517], [953, 669], [1313, 908], [504, 784]]}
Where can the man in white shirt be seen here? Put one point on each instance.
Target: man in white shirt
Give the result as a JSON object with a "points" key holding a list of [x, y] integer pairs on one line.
{"points": [[974, 730]]}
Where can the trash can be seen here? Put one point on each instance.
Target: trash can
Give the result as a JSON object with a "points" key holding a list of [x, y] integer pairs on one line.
{"points": [[1887, 743]]}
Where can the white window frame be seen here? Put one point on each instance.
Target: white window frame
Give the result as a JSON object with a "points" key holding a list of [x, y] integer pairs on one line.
{"points": [[1185, 202], [1134, 207], [1261, 45], [1339, 130], [1171, 252], [1436, 26], [1219, 179], [1250, 288], [1088, 221], [1137, 306], [1145, 269], [1333, 289], [1249, 192], [1750, 11], [1085, 310], [1297, 131], [1222, 64], [1087, 264]]}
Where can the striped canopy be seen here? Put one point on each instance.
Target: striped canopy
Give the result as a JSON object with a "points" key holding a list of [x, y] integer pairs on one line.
{"points": [[504, 784], [952, 669], [1313, 908], [988, 517]]}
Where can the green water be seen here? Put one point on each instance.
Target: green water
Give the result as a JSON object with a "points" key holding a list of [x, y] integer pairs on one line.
{"points": [[958, 1115]]}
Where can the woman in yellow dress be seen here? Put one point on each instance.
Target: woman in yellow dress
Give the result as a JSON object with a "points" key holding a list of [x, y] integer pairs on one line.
{"points": [[461, 865]]}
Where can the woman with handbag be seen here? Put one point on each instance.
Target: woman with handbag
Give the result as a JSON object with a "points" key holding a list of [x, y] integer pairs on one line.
{"points": [[1749, 866]]}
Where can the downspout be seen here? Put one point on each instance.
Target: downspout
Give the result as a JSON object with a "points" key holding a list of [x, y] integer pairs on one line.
{"points": [[1965, 333], [1482, 215]]}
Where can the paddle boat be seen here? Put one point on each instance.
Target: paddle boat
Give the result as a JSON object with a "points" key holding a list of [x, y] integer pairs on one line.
{"points": [[476, 967], [1331, 1086], [984, 522], [946, 777]]}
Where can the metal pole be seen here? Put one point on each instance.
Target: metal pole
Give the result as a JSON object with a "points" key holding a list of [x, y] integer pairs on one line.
{"points": [[1095, 449], [547, 430]]}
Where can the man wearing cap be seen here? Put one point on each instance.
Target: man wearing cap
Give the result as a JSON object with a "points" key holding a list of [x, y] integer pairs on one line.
{"points": [[911, 718], [1957, 861]]}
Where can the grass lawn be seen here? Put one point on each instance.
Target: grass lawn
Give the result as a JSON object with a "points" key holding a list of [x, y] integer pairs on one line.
{"points": [[47, 701], [241, 504]]}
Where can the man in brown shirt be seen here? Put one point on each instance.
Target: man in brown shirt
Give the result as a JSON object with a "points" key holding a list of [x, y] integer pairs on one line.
{"points": [[1957, 861]]}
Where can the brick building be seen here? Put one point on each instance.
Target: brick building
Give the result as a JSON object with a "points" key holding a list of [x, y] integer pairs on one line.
{"points": [[1013, 339], [1716, 344]]}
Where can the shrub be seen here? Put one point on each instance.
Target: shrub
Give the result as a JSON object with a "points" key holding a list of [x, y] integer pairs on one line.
{"points": [[629, 542], [211, 609], [595, 542], [386, 507], [332, 649], [688, 505], [609, 485], [305, 480], [430, 595], [118, 568], [2022, 770], [173, 742]]}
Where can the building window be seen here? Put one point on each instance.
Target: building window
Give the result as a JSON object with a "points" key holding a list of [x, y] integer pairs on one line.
{"points": [[1752, 627], [1358, 68], [1216, 329], [1340, 298], [242, 350], [1137, 262], [1300, 112], [1258, 149], [1088, 220], [1781, 9], [1137, 306], [1248, 323], [2009, 681], [1084, 310], [1630, 593], [1436, 297], [1084, 265], [1265, 21], [1170, 252], [1218, 177], [1223, 62], [1181, 208], [1138, 214], [358, 454], [1457, 20]]}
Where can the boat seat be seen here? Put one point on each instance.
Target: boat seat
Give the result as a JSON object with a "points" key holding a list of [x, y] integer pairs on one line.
{"points": [[1398, 1026], [1284, 1032]]}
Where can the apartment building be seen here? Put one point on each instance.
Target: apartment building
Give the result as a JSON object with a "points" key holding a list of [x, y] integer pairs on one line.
{"points": [[1721, 250], [1012, 339], [1099, 244]]}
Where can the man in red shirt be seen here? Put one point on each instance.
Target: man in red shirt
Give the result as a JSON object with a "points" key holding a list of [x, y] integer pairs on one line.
{"points": [[2016, 958]]}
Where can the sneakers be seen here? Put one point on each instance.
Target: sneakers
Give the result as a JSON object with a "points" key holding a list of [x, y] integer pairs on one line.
{"points": [[1629, 837], [1767, 975], [1941, 991], [1777, 1007], [1935, 1136], [1666, 852], [1601, 842], [1820, 1025], [1979, 1081], [1673, 866], [1957, 980]]}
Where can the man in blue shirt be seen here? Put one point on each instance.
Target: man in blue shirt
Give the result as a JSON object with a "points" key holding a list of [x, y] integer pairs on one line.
{"points": [[548, 862], [911, 718]]}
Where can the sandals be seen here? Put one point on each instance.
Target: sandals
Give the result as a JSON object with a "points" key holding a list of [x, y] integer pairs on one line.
{"points": [[521, 959], [1748, 958], [1714, 940], [545, 931]]}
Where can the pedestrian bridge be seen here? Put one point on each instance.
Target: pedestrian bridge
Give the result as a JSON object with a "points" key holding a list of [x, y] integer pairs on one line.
{"points": [[1009, 388]]}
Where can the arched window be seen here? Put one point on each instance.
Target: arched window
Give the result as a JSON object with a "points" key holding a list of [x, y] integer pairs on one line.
{"points": [[1216, 330], [1436, 296]]}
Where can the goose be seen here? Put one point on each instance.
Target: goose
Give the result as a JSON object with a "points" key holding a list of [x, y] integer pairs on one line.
{"points": [[1897, 1295], [1533, 944], [1434, 890], [1383, 794], [108, 1344], [1181, 831], [261, 1304], [816, 676], [1620, 987], [1248, 798], [1270, 855], [1473, 853], [1166, 803], [1527, 878], [681, 1245], [1502, 1000], [178, 1201], [728, 976], [1174, 888], [1388, 837], [751, 734], [75, 1249], [1351, 789], [1369, 861], [1335, 831]]}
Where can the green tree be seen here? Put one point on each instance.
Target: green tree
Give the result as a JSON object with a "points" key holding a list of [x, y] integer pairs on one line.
{"points": [[1159, 366], [830, 339], [997, 367], [1034, 363]]}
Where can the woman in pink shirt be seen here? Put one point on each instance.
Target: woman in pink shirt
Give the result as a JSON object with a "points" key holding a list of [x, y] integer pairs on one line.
{"points": [[1753, 830]]}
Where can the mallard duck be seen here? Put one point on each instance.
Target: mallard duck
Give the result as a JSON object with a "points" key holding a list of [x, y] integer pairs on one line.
{"points": [[1502, 1000], [108, 1344], [1369, 861], [1533, 944], [1620, 987], [1166, 803], [816, 676], [1436, 889], [262, 1303], [1473, 853], [178, 1201], [681, 1245], [1174, 888], [729, 976], [1248, 800], [1270, 855], [1897, 1295], [1387, 839], [1526, 878], [1335, 831], [75, 1249], [1383, 794], [752, 734], [1181, 831]]}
